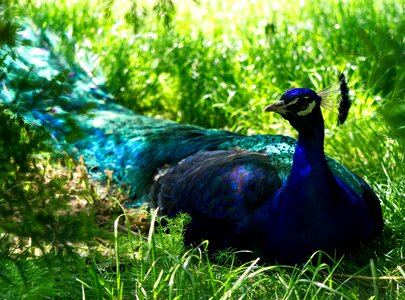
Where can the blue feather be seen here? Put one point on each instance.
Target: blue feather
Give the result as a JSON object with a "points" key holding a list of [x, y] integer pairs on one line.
{"points": [[283, 199]]}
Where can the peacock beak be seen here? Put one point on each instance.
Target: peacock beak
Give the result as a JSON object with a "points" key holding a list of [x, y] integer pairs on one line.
{"points": [[278, 107]]}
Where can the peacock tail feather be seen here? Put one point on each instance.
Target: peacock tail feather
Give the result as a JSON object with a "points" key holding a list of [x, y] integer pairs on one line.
{"points": [[221, 178]]}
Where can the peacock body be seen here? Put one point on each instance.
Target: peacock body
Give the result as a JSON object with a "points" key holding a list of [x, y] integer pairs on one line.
{"points": [[283, 199]]}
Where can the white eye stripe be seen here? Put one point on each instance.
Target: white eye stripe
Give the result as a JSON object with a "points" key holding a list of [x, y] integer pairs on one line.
{"points": [[292, 102], [308, 110], [283, 110]]}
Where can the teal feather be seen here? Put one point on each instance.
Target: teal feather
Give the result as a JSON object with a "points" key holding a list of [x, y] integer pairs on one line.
{"points": [[280, 198]]}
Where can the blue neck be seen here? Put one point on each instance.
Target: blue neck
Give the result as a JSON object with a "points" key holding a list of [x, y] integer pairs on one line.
{"points": [[309, 155], [310, 173]]}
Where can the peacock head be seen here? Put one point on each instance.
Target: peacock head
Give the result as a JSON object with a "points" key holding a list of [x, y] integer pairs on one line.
{"points": [[300, 106]]}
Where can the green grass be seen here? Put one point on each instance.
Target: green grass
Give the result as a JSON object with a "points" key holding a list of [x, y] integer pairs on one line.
{"points": [[217, 64]]}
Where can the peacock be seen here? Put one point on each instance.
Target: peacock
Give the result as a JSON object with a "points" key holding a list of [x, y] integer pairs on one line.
{"points": [[280, 198]]}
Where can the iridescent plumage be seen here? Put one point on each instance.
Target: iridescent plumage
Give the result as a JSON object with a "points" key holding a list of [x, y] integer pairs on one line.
{"points": [[283, 199]]}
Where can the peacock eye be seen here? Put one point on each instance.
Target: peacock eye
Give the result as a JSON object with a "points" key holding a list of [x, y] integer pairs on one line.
{"points": [[309, 108]]}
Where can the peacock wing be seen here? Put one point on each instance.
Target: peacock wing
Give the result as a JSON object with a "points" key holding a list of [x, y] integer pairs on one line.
{"points": [[217, 185]]}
